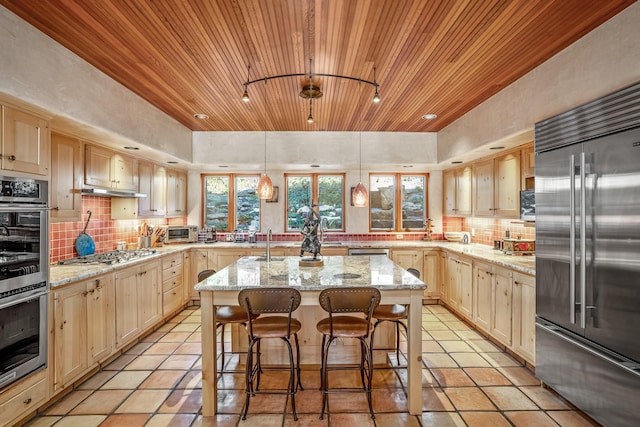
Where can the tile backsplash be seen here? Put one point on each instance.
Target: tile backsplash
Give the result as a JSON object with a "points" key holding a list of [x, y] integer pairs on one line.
{"points": [[489, 229]]}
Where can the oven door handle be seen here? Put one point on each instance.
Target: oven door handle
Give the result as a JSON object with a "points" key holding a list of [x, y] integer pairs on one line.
{"points": [[21, 300], [23, 207]]}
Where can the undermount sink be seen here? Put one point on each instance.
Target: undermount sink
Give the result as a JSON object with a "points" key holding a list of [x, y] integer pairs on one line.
{"points": [[332, 244], [273, 258]]}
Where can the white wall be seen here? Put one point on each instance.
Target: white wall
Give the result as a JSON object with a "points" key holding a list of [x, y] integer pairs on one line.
{"points": [[606, 59]]}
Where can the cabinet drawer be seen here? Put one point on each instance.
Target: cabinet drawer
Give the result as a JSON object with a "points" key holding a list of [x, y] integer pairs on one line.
{"points": [[24, 402], [171, 261], [171, 300], [171, 283], [172, 273]]}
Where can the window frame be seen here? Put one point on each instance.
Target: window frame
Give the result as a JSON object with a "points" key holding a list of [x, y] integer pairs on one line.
{"points": [[231, 201], [314, 197], [397, 200]]}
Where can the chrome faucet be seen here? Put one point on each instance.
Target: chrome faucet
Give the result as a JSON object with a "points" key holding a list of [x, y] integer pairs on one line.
{"points": [[324, 226], [268, 245]]}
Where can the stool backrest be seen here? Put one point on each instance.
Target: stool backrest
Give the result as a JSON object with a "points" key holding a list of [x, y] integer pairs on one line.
{"points": [[204, 274], [269, 301]]}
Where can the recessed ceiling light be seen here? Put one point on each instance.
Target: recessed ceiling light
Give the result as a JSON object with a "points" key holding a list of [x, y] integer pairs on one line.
{"points": [[456, 162], [430, 116], [315, 166], [499, 147], [223, 166], [131, 148], [407, 166], [173, 162], [201, 116]]}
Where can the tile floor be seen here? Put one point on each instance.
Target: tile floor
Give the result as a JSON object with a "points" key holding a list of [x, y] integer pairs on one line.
{"points": [[467, 381]]}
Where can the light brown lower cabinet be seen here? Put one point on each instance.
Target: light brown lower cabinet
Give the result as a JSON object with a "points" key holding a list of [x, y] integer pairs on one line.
{"points": [[524, 315], [23, 398]]}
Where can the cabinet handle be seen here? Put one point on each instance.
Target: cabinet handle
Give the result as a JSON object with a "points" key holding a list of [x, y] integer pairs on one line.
{"points": [[11, 158], [28, 401], [84, 294], [55, 209]]}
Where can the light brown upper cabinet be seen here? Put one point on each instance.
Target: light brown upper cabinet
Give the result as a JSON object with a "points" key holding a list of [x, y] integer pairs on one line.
{"points": [[107, 169], [496, 186], [457, 191], [528, 167], [25, 142], [176, 193], [66, 178], [153, 183]]}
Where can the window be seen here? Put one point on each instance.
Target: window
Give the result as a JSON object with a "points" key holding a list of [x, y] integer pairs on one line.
{"points": [[324, 190], [396, 207], [230, 202]]}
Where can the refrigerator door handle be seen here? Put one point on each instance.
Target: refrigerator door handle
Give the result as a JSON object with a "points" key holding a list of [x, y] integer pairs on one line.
{"points": [[572, 239], [583, 241]]}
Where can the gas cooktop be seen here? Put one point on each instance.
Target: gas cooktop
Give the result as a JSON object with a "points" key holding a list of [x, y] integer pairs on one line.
{"points": [[113, 257]]}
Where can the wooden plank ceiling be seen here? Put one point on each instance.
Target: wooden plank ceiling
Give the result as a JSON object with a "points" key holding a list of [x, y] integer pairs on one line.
{"points": [[438, 56]]}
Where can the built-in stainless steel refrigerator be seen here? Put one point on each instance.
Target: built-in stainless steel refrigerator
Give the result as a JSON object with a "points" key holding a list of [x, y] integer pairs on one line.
{"points": [[587, 197]]}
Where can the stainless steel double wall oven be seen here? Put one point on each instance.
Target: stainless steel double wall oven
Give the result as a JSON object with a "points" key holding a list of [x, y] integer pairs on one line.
{"points": [[24, 284]]}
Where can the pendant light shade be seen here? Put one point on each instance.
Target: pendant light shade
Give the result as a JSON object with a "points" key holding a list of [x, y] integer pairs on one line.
{"points": [[265, 186], [360, 196]]}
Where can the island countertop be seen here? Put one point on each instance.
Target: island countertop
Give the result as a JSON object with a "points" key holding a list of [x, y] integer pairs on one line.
{"points": [[377, 270]]}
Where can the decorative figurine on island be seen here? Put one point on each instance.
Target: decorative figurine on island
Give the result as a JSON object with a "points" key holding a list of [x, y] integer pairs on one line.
{"points": [[428, 228], [311, 243]]}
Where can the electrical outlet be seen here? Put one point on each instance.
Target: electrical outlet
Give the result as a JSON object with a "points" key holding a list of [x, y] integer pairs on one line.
{"points": [[399, 236], [473, 232]]}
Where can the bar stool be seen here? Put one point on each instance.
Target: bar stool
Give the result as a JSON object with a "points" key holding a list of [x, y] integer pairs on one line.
{"points": [[347, 300], [225, 314], [395, 313], [261, 301]]}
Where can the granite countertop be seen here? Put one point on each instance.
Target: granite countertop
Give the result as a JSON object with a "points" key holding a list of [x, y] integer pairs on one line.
{"points": [[63, 274], [378, 271]]}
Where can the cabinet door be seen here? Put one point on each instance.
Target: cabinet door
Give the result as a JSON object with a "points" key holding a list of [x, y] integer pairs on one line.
{"points": [[463, 192], [443, 277], [465, 271], [482, 297], [186, 276], [227, 257], [159, 191], [125, 172], [200, 261], [452, 282], [145, 186], [66, 179], [524, 316], [407, 259], [101, 319], [483, 189], [26, 142], [527, 167], [176, 194], [150, 295], [97, 166], [449, 192], [70, 334], [501, 295], [507, 186], [431, 276], [127, 306]]}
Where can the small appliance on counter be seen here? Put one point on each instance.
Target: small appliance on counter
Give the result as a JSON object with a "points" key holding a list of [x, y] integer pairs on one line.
{"points": [[211, 235], [181, 234], [518, 246]]}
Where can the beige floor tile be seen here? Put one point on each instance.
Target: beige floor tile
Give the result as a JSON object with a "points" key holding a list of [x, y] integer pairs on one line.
{"points": [[195, 337], [189, 348], [97, 380], [175, 337], [163, 379], [43, 421], [530, 418], [171, 420], [348, 402], [519, 375], [509, 398], [67, 403], [120, 362], [441, 419], [434, 399], [139, 348], [128, 420], [143, 401], [431, 346], [146, 362], [571, 419], [469, 335], [443, 335], [457, 325], [487, 376], [306, 420], [162, 348], [230, 401], [351, 420], [500, 360], [166, 327], [438, 360], [544, 398], [428, 317], [101, 402], [81, 421], [483, 346], [469, 360], [469, 399], [389, 400], [262, 420], [434, 326], [485, 419], [455, 346], [127, 380], [183, 401], [220, 420], [180, 361], [153, 337], [186, 327], [452, 377], [397, 419]]}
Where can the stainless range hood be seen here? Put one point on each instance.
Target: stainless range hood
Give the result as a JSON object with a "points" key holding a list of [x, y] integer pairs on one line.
{"points": [[111, 193]]}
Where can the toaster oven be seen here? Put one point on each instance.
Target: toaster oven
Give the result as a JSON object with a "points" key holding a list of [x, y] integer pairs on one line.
{"points": [[181, 234]]}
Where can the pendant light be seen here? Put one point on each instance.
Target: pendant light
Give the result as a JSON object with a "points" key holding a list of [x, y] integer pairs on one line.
{"points": [[360, 196], [265, 186]]}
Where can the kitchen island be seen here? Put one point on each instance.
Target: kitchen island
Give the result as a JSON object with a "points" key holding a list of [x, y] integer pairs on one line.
{"points": [[397, 286]]}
